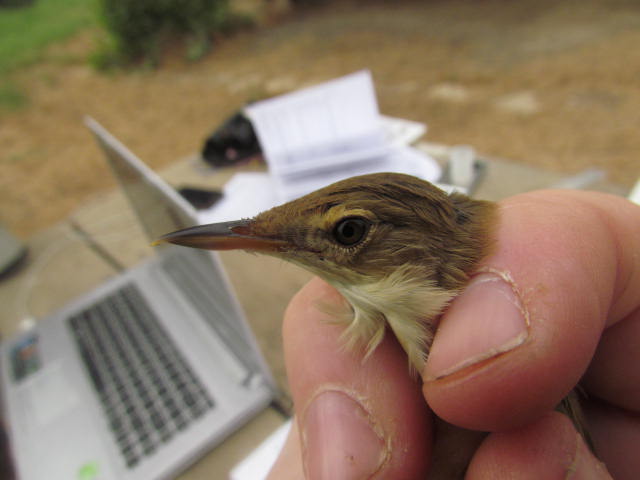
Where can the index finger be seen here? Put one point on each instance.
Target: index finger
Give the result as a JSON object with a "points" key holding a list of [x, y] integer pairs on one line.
{"points": [[525, 330]]}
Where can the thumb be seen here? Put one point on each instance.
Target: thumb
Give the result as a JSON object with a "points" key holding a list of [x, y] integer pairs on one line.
{"points": [[525, 330]]}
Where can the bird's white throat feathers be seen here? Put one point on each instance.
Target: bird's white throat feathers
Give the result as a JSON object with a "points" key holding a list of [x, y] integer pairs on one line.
{"points": [[404, 300]]}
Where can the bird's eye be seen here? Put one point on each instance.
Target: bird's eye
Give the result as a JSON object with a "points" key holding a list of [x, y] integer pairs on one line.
{"points": [[350, 231]]}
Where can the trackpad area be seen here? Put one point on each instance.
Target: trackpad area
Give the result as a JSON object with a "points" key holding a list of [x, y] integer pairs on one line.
{"points": [[58, 435], [46, 397]]}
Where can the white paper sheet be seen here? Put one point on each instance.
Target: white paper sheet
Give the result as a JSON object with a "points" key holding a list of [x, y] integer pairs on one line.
{"points": [[244, 196], [317, 136], [257, 465], [305, 127]]}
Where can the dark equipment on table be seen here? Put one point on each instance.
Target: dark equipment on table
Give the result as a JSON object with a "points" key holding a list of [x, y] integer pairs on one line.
{"points": [[234, 141], [199, 198]]}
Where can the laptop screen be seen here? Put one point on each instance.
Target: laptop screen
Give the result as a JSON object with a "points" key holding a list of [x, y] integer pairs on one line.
{"points": [[161, 209], [156, 215]]}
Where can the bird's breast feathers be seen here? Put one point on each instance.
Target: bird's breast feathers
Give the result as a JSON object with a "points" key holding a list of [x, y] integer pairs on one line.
{"points": [[404, 300]]}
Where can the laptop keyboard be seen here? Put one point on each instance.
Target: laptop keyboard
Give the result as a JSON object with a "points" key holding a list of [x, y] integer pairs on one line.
{"points": [[147, 390]]}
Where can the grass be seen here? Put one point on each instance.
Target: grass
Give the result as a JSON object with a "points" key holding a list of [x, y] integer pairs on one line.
{"points": [[26, 31], [11, 97]]}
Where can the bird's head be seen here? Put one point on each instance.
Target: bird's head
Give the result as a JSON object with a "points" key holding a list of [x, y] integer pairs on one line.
{"points": [[360, 229]]}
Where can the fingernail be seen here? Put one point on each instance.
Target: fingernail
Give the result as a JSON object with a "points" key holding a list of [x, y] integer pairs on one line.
{"points": [[340, 440], [486, 320], [585, 465]]}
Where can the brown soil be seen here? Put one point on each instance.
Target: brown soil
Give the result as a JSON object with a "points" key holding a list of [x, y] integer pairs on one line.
{"points": [[547, 83]]}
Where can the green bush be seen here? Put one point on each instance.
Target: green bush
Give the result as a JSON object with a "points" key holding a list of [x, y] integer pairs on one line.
{"points": [[15, 3], [139, 27], [306, 3]]}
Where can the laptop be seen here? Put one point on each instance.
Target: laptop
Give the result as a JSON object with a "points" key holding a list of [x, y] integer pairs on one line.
{"points": [[140, 377]]}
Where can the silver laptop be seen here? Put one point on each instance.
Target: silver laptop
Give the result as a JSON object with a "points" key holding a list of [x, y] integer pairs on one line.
{"points": [[141, 376]]}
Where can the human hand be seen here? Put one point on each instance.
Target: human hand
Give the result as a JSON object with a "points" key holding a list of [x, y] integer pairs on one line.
{"points": [[557, 302]]}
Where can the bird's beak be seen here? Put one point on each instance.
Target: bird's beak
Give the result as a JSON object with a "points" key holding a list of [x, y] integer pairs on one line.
{"points": [[235, 235]]}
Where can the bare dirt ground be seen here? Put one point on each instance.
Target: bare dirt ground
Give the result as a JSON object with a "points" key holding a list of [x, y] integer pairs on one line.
{"points": [[547, 83]]}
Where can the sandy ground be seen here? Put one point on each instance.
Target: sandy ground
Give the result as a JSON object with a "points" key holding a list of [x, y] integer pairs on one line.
{"points": [[553, 84]]}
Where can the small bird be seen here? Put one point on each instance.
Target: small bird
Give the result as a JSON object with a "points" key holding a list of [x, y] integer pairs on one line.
{"points": [[396, 247]]}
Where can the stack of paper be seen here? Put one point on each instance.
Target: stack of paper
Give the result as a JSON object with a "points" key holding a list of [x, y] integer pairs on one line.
{"points": [[319, 135]]}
